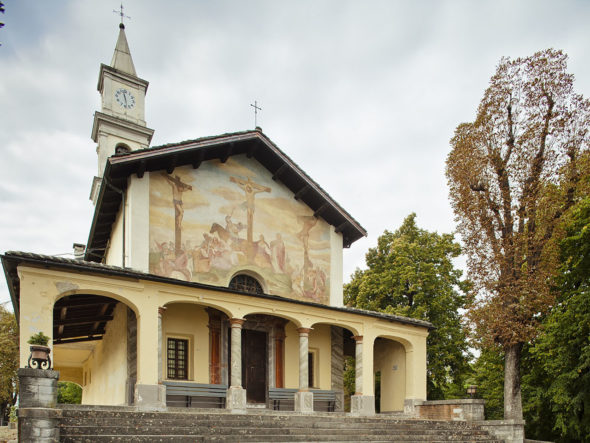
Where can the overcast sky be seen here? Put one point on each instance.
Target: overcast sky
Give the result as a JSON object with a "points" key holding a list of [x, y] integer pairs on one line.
{"points": [[363, 95]]}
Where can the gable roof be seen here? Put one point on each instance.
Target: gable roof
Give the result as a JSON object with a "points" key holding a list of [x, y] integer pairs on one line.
{"points": [[193, 152]]}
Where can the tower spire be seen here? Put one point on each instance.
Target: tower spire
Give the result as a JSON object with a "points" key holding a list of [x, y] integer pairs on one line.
{"points": [[122, 57]]}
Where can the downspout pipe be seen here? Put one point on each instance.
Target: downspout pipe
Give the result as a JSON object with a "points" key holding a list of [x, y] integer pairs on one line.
{"points": [[122, 193]]}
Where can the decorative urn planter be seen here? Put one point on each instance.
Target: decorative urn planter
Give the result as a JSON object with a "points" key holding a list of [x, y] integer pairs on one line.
{"points": [[39, 358]]}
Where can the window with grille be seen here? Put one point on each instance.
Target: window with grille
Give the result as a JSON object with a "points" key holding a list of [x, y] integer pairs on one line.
{"points": [[177, 359], [245, 283]]}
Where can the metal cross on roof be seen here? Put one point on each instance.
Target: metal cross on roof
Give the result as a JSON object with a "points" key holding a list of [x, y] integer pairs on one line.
{"points": [[123, 16], [256, 109]]}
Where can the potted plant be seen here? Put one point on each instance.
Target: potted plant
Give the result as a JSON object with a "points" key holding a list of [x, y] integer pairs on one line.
{"points": [[39, 351]]}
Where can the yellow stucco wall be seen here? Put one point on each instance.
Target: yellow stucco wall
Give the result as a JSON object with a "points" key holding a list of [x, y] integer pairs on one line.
{"points": [[73, 375], [114, 252], [189, 322], [320, 341], [390, 359], [291, 356], [106, 369], [41, 287]]}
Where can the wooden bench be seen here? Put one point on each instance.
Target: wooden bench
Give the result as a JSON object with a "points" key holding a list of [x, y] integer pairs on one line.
{"points": [[286, 398], [195, 395]]}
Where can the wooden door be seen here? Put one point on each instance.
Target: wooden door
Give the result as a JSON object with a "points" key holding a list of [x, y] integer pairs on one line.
{"points": [[254, 363]]}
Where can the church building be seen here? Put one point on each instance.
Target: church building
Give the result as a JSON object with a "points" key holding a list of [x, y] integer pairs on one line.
{"points": [[212, 277]]}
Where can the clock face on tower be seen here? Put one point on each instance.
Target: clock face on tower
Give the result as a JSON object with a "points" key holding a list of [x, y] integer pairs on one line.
{"points": [[125, 98]]}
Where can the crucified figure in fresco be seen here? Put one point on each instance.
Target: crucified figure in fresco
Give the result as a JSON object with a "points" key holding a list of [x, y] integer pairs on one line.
{"points": [[251, 189], [309, 221], [178, 187]]}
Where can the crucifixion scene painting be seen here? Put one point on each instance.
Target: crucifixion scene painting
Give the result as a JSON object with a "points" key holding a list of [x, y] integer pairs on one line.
{"points": [[210, 223]]}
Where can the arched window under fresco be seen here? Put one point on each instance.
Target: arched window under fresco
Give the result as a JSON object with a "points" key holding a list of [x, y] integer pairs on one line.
{"points": [[246, 283]]}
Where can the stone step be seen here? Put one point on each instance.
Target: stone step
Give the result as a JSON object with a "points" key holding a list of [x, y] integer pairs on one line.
{"points": [[306, 423], [242, 431], [232, 439], [292, 419], [271, 438], [112, 424]]}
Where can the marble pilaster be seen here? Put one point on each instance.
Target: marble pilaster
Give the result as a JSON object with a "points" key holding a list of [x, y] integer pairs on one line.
{"points": [[161, 311], [303, 398], [236, 394]]}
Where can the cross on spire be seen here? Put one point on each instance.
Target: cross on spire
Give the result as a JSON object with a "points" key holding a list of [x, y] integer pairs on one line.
{"points": [[123, 16], [256, 109]]}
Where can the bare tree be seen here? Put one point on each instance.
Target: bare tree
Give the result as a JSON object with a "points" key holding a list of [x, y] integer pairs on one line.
{"points": [[512, 175]]}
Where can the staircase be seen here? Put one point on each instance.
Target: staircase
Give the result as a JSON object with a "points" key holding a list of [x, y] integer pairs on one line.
{"points": [[121, 424]]}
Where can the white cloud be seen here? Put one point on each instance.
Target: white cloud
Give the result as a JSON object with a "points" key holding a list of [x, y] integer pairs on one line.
{"points": [[364, 96]]}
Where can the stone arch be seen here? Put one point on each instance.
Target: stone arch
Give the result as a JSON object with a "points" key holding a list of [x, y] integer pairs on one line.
{"points": [[95, 343], [67, 290], [390, 369], [340, 324], [202, 303], [275, 313]]}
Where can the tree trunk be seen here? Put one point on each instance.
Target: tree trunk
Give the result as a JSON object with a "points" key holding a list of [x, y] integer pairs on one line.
{"points": [[512, 395]]}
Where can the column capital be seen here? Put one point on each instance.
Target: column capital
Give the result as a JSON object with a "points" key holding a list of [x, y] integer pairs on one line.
{"points": [[357, 338], [236, 322], [161, 310], [304, 331]]}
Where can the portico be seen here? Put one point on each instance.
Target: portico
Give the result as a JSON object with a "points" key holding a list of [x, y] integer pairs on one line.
{"points": [[212, 321]]}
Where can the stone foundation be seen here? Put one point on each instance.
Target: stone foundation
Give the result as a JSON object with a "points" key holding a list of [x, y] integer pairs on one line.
{"points": [[362, 405], [511, 431], [38, 421], [150, 397], [460, 409], [236, 400], [304, 401]]}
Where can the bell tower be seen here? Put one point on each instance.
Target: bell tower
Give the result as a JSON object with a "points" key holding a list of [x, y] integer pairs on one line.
{"points": [[120, 124]]}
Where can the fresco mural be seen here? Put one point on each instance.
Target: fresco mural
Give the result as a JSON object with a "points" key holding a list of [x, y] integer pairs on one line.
{"points": [[209, 223]]}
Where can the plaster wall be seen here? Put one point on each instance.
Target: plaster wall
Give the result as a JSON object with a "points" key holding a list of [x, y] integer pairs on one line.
{"points": [[74, 375], [109, 136], [137, 223], [189, 322], [320, 340], [105, 372], [336, 269], [390, 359], [114, 251]]}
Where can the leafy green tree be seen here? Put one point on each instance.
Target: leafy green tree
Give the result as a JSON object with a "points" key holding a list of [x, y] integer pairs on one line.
{"points": [[9, 356], [411, 273], [513, 173], [69, 393], [563, 350], [488, 374]]}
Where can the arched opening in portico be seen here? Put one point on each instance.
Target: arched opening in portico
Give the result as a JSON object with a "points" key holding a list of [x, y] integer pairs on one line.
{"points": [[389, 366], [337, 361], [95, 346]]}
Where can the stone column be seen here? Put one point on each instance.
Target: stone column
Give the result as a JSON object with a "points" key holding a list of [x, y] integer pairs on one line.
{"points": [[38, 420], [304, 398], [236, 395], [360, 404], [161, 311]]}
